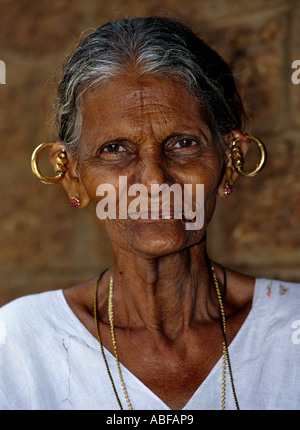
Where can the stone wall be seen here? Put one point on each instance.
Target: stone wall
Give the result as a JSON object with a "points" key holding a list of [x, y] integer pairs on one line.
{"points": [[45, 243]]}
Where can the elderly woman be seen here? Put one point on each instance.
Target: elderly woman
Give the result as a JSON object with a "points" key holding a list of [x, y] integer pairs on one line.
{"points": [[144, 103]]}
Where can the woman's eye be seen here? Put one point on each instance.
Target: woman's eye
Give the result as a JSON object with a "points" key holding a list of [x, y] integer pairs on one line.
{"points": [[113, 147], [185, 143]]}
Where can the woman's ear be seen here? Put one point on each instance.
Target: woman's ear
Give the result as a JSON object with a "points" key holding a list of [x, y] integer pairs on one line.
{"points": [[71, 180], [230, 174]]}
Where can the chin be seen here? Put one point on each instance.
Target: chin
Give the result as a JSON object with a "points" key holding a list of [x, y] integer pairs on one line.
{"points": [[160, 238]]}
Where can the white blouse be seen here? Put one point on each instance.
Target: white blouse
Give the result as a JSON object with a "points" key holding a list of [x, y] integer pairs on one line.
{"points": [[50, 361]]}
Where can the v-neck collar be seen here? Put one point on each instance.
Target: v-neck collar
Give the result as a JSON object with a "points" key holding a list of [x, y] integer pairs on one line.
{"points": [[133, 383]]}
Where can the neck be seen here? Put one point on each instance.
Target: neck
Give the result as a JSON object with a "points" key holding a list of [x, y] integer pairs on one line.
{"points": [[165, 295]]}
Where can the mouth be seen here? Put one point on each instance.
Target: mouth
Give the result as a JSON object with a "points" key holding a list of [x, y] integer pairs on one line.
{"points": [[161, 215]]}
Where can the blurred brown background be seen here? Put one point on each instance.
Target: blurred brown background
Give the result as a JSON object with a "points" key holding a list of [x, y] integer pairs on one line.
{"points": [[44, 242]]}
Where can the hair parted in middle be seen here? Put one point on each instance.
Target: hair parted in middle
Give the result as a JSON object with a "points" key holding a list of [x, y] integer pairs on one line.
{"points": [[152, 46]]}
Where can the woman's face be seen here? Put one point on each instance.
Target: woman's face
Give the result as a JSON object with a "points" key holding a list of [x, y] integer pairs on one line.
{"points": [[150, 130]]}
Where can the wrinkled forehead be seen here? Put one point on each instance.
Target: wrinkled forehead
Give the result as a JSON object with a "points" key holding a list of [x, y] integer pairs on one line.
{"points": [[141, 102]]}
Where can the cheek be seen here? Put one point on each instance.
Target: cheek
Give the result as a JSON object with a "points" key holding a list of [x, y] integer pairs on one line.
{"points": [[92, 177], [207, 171]]}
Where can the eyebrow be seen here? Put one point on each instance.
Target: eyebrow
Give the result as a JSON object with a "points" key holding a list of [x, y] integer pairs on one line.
{"points": [[122, 139]]}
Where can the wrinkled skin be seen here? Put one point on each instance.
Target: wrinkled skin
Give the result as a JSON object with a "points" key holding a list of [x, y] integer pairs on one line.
{"points": [[166, 310]]}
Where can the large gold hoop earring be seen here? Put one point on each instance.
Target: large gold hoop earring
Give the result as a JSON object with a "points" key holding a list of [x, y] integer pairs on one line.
{"points": [[60, 166], [238, 160]]}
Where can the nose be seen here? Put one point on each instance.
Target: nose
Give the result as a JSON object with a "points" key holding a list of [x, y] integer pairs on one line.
{"points": [[151, 170]]}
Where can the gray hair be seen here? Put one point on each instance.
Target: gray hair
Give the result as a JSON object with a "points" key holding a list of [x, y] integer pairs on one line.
{"points": [[152, 45]]}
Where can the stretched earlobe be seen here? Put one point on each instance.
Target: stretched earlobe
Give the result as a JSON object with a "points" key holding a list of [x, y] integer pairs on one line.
{"points": [[226, 185], [74, 186]]}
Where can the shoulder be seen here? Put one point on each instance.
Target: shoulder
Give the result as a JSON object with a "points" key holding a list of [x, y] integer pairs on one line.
{"points": [[276, 292], [263, 291], [26, 315], [30, 304], [36, 334], [276, 307]]}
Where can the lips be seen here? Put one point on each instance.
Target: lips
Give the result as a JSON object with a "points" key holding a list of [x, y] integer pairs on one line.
{"points": [[168, 215]]}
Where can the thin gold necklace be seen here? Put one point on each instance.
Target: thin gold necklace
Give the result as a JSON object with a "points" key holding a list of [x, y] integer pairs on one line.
{"points": [[111, 323], [225, 347], [225, 357]]}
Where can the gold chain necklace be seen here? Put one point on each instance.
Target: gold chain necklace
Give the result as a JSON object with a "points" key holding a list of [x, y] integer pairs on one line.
{"points": [[225, 348], [111, 323], [225, 357]]}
